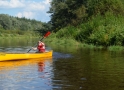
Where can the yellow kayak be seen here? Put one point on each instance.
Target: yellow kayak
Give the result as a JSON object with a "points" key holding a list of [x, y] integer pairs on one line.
{"points": [[22, 56]]}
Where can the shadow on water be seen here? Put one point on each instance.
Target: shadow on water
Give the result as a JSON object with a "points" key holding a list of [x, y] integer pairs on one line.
{"points": [[71, 68]]}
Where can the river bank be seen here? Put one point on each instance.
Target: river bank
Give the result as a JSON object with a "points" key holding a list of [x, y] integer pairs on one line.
{"points": [[71, 42], [50, 40]]}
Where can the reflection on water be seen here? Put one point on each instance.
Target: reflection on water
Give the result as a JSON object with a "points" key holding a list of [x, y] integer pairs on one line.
{"points": [[5, 42], [90, 70], [70, 68], [26, 74], [41, 66]]}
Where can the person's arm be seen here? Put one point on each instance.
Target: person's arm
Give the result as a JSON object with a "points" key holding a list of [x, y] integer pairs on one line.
{"points": [[34, 48]]}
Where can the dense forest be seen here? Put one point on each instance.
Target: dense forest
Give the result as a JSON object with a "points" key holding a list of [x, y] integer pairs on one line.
{"points": [[10, 25], [97, 22], [75, 12]]}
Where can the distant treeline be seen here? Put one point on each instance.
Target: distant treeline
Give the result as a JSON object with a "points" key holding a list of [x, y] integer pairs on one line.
{"points": [[19, 25]]}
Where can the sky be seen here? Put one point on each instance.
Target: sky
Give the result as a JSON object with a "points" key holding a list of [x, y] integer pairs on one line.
{"points": [[31, 9]]}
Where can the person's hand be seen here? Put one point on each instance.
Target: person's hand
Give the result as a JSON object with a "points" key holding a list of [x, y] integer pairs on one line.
{"points": [[34, 48]]}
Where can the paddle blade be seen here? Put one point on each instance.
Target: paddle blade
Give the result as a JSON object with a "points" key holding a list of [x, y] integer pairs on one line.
{"points": [[48, 33]]}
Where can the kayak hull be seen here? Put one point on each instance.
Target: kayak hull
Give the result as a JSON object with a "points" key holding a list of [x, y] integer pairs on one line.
{"points": [[21, 56]]}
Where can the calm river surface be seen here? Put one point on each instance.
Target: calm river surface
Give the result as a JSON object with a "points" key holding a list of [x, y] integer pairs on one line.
{"points": [[68, 69]]}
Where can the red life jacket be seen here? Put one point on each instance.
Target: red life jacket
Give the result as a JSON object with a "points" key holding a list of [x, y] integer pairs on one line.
{"points": [[41, 47]]}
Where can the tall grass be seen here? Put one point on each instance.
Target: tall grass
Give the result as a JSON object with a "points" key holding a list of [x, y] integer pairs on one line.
{"points": [[116, 48], [98, 32], [17, 33], [68, 42], [105, 30]]}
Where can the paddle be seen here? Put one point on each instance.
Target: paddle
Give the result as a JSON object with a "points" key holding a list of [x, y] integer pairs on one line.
{"points": [[48, 33]]}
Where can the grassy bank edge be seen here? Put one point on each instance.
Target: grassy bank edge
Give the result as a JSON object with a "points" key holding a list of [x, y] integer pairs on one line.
{"points": [[72, 42], [67, 42]]}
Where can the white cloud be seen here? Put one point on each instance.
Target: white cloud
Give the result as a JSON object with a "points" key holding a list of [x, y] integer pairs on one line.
{"points": [[47, 2], [35, 6], [29, 5], [11, 4], [26, 15], [27, 8]]}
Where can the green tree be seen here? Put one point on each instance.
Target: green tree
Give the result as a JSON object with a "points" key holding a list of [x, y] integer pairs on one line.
{"points": [[66, 12], [74, 12], [21, 24], [5, 21], [102, 6]]}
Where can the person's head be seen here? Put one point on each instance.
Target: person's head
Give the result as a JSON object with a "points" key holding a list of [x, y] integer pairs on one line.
{"points": [[39, 41]]}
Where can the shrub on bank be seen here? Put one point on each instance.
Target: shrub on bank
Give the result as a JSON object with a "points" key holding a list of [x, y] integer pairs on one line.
{"points": [[105, 30]]}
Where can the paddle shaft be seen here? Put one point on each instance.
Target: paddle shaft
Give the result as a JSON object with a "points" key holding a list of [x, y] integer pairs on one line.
{"points": [[41, 40]]}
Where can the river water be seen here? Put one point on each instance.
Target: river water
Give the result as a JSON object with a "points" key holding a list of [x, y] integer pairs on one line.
{"points": [[70, 68]]}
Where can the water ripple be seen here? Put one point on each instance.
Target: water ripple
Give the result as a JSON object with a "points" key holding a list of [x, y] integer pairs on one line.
{"points": [[61, 55]]}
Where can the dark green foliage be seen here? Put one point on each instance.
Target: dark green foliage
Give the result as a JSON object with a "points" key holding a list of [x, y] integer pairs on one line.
{"points": [[96, 7], [5, 21], [67, 32], [74, 12], [101, 30], [97, 22], [66, 12], [46, 27], [21, 24]]}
